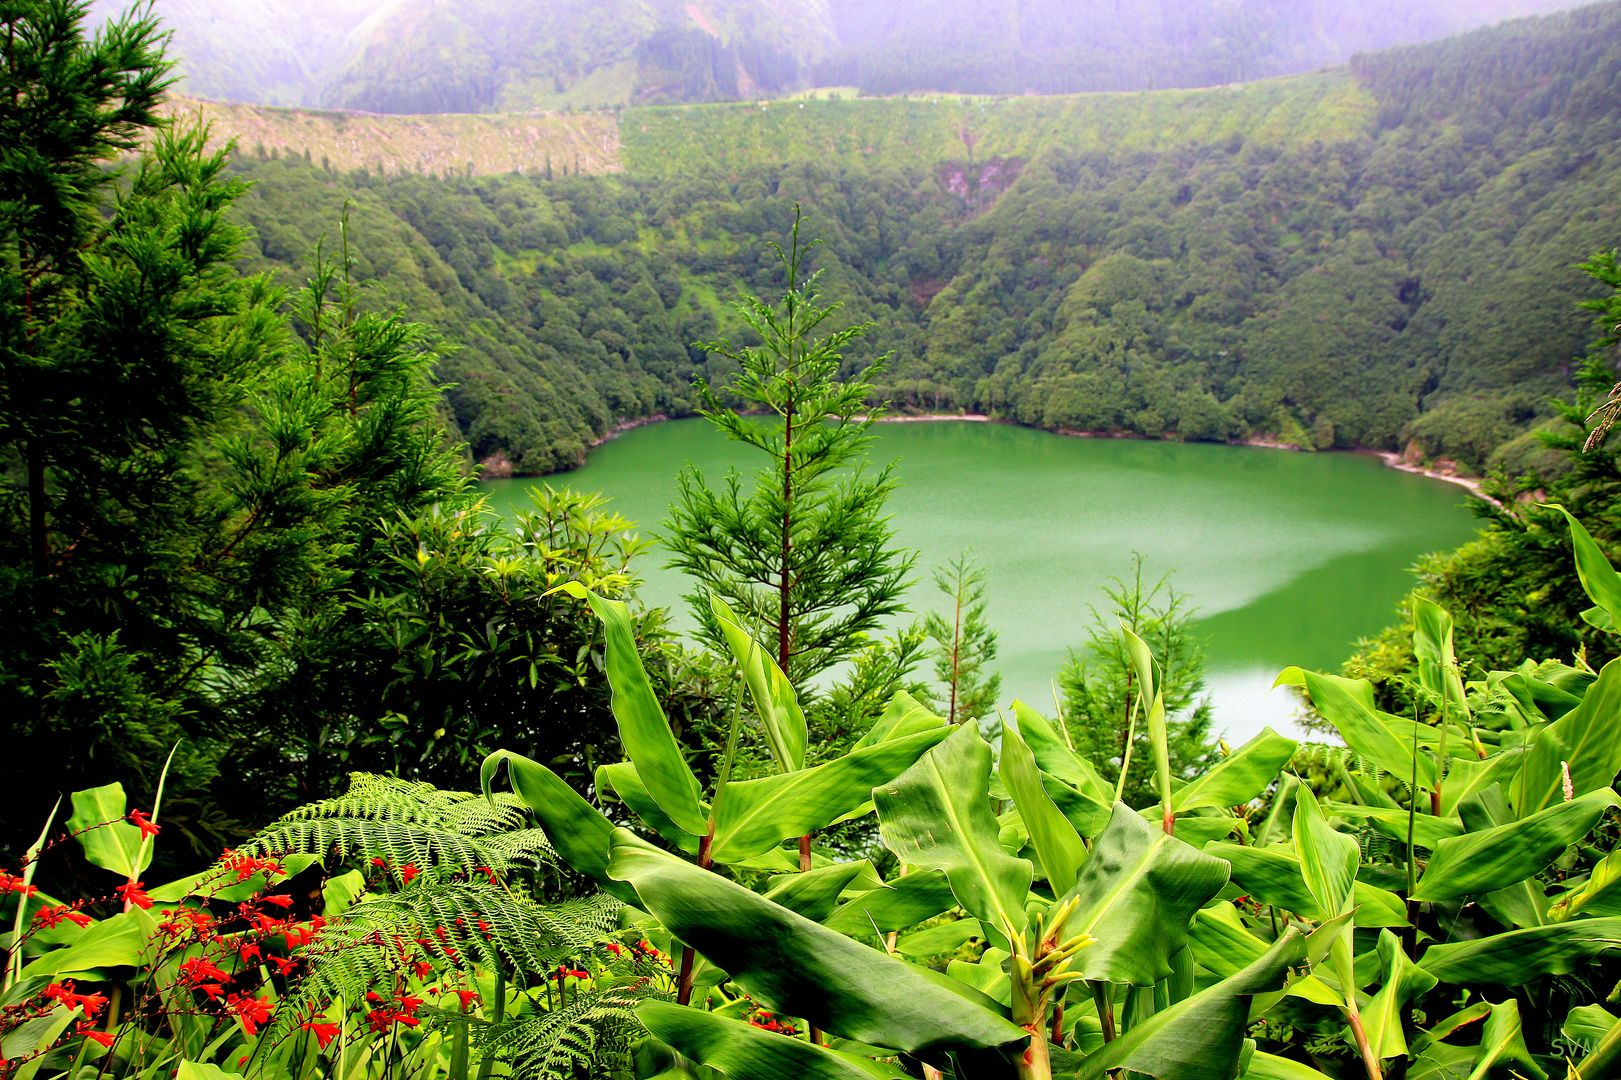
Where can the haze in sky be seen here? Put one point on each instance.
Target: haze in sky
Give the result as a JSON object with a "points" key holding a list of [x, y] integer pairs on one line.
{"points": [[495, 55]]}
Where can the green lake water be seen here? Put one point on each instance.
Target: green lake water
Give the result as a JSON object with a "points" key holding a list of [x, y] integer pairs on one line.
{"points": [[1288, 557]]}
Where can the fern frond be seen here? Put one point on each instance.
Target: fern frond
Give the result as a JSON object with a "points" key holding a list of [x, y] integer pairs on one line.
{"points": [[592, 1033]]}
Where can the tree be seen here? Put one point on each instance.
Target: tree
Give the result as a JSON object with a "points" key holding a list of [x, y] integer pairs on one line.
{"points": [[964, 644], [1099, 692], [807, 557]]}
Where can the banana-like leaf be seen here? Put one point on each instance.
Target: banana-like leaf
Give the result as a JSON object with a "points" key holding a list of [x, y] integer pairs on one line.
{"points": [[643, 730], [903, 902], [985, 975], [745, 1052], [1265, 1066], [1201, 1037], [1428, 830], [945, 937], [1587, 738], [1432, 647], [1467, 778], [1587, 1025], [1518, 956], [1056, 842], [937, 815], [1502, 1054], [128, 939], [621, 780], [1348, 709], [577, 830], [1598, 577], [801, 968], [774, 699], [1328, 859], [1137, 894], [1271, 874], [755, 816], [1493, 859], [108, 840], [815, 893], [1150, 690], [903, 716], [1223, 944], [1401, 980], [1599, 895], [1441, 1029], [1241, 776], [1057, 757]]}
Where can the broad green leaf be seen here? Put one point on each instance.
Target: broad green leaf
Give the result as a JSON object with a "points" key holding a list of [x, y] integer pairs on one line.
{"points": [[1057, 844], [1442, 1028], [1362, 729], [1055, 756], [1599, 580], [1280, 819], [1432, 647], [109, 841], [643, 730], [1360, 689], [943, 938], [56, 1022], [937, 815], [1264, 1066], [1588, 738], [1223, 944], [903, 902], [814, 893], [1243, 775], [903, 716], [1599, 895], [1428, 831], [1518, 956], [755, 816], [1467, 778], [1328, 859], [1376, 907], [1137, 894], [198, 1070], [800, 968], [1270, 874], [987, 975], [578, 832], [621, 780], [120, 941], [1443, 1061], [1502, 1054], [745, 1052], [1587, 1025], [1086, 813], [1201, 1037], [774, 698], [1520, 905], [1400, 981], [1142, 661], [1495, 858]]}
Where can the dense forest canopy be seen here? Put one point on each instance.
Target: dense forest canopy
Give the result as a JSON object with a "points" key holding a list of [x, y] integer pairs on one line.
{"points": [[1404, 283]]}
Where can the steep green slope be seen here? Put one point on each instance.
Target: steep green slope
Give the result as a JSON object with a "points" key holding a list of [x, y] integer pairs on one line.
{"points": [[1379, 257]]}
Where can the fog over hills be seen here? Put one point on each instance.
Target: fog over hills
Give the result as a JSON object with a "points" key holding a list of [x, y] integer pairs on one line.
{"points": [[419, 56]]}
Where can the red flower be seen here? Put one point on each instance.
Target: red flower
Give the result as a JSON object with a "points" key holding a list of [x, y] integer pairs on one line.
{"points": [[423, 970], [11, 883], [615, 948], [64, 993], [468, 998], [213, 990], [148, 827], [199, 968], [378, 862], [487, 872], [249, 952], [284, 964], [134, 894], [409, 1005], [324, 1033], [47, 918], [105, 1038], [279, 901], [251, 1010], [407, 872]]}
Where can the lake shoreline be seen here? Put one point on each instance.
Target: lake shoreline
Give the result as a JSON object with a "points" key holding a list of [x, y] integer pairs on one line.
{"points": [[1388, 458]]}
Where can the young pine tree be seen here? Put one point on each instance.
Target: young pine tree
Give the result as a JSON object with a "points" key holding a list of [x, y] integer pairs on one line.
{"points": [[1099, 691], [963, 643], [806, 556]]}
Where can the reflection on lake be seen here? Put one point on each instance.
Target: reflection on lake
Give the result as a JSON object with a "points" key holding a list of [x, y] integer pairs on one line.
{"points": [[1288, 557]]}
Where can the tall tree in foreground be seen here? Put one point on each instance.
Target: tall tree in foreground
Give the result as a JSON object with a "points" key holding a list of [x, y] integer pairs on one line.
{"points": [[1100, 694], [963, 642], [806, 557]]}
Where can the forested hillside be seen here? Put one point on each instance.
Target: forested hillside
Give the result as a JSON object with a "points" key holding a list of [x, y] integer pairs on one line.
{"points": [[1347, 260]]}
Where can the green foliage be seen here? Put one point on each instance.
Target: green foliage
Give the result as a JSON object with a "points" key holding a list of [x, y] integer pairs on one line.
{"points": [[806, 558], [963, 642], [1101, 690]]}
